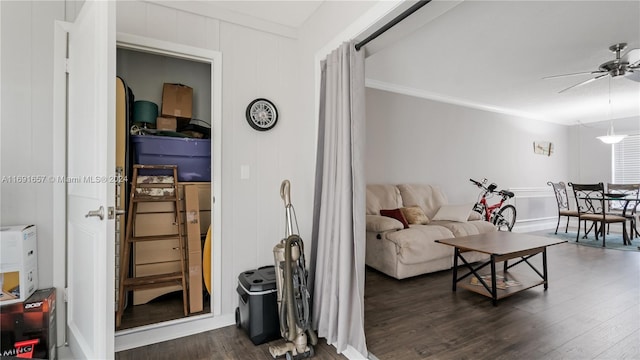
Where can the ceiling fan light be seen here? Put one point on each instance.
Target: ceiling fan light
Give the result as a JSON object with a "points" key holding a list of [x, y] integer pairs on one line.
{"points": [[611, 139]]}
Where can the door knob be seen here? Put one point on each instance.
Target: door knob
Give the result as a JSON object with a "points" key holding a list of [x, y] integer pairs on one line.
{"points": [[113, 212], [99, 213]]}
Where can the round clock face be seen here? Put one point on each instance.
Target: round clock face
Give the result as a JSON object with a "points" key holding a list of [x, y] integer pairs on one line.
{"points": [[262, 115]]}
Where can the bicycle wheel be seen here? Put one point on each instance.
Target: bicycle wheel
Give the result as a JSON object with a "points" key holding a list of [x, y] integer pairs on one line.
{"points": [[505, 218]]}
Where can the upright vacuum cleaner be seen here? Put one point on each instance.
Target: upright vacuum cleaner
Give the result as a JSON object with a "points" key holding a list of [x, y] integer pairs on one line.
{"points": [[293, 295]]}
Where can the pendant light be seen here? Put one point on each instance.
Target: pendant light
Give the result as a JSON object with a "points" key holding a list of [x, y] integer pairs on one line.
{"points": [[611, 137]]}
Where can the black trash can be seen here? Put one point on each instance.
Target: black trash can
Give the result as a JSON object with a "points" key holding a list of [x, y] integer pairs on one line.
{"points": [[257, 313]]}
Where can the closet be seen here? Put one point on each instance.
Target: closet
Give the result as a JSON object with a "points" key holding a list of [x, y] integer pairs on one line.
{"points": [[144, 72]]}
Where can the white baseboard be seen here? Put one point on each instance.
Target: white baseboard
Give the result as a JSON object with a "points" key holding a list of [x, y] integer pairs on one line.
{"points": [[138, 337], [535, 226]]}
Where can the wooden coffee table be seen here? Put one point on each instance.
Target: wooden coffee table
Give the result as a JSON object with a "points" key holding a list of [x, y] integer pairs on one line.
{"points": [[501, 246]]}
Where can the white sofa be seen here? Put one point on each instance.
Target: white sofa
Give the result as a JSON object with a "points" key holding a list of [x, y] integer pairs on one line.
{"points": [[404, 252]]}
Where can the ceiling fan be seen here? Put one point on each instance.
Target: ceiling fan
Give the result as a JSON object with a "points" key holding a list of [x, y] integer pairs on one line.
{"points": [[626, 65]]}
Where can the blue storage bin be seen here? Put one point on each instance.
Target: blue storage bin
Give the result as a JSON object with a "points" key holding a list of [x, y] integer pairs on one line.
{"points": [[193, 156]]}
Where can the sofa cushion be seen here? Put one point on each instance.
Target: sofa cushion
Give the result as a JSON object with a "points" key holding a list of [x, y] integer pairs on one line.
{"points": [[395, 214], [429, 198], [417, 244], [382, 196], [474, 215], [378, 223], [466, 228], [415, 215], [459, 213]]}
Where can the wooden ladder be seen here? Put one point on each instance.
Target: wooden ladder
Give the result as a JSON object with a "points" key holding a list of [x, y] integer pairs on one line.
{"points": [[127, 283]]}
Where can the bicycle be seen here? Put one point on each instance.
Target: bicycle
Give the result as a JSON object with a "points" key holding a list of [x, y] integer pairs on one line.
{"points": [[503, 217]]}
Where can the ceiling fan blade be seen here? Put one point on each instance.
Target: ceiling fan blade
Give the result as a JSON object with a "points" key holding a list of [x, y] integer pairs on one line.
{"points": [[632, 57], [583, 83], [633, 75], [572, 74]]}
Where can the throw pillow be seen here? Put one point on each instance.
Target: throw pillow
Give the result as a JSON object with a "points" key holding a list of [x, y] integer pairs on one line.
{"points": [[396, 214], [459, 213], [377, 223], [415, 215]]}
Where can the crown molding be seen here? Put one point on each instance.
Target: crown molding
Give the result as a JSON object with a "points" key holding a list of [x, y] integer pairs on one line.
{"points": [[423, 94], [210, 10]]}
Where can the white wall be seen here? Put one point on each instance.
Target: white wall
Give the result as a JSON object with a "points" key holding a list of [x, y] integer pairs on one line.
{"points": [[415, 140], [590, 158], [420, 140]]}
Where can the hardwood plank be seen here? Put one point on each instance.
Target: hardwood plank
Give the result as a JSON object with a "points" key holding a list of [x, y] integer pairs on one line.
{"points": [[627, 348], [225, 343], [591, 310]]}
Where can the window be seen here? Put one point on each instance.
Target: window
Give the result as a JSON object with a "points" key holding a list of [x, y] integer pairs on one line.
{"points": [[626, 160]]}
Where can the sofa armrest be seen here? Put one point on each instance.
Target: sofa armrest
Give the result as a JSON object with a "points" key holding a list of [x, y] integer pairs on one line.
{"points": [[378, 223]]}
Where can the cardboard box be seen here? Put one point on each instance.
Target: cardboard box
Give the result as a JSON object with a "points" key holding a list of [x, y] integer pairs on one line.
{"points": [[166, 123], [154, 224], [18, 263], [195, 282], [28, 329], [194, 245], [177, 100]]}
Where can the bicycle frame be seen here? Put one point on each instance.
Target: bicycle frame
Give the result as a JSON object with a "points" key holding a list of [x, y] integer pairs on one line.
{"points": [[488, 210], [483, 207]]}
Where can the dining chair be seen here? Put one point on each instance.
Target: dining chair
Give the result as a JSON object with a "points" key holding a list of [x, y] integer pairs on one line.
{"points": [[562, 199], [617, 207], [591, 201]]}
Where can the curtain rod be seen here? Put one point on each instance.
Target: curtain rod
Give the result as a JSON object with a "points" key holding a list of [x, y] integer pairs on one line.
{"points": [[393, 22]]}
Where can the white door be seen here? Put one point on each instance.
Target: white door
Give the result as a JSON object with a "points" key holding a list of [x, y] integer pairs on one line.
{"points": [[90, 168]]}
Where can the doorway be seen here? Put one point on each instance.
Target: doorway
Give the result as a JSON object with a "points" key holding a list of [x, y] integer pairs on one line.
{"points": [[144, 63], [150, 333], [144, 75]]}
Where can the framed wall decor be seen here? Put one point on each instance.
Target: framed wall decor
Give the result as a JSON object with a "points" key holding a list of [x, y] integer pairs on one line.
{"points": [[543, 148]]}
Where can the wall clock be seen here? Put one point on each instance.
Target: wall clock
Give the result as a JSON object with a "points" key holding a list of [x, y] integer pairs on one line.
{"points": [[262, 114]]}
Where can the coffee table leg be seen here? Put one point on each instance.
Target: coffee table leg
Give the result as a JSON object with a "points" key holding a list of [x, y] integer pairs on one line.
{"points": [[455, 268], [494, 290], [544, 268]]}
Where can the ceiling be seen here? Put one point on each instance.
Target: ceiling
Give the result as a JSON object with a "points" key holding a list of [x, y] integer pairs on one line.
{"points": [[285, 13], [288, 13], [494, 54], [486, 54]]}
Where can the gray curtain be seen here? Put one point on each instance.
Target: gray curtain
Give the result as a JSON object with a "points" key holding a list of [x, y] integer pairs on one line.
{"points": [[337, 254]]}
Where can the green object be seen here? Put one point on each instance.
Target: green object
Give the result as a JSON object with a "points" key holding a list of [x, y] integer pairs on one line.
{"points": [[145, 112]]}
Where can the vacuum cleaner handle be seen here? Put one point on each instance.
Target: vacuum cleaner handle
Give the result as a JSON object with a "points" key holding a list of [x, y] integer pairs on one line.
{"points": [[285, 194]]}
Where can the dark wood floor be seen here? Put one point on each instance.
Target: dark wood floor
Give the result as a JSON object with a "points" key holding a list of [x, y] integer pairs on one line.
{"points": [[225, 343], [591, 311]]}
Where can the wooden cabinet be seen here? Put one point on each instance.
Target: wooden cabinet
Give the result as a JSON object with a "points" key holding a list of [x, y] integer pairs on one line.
{"points": [[158, 257]]}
